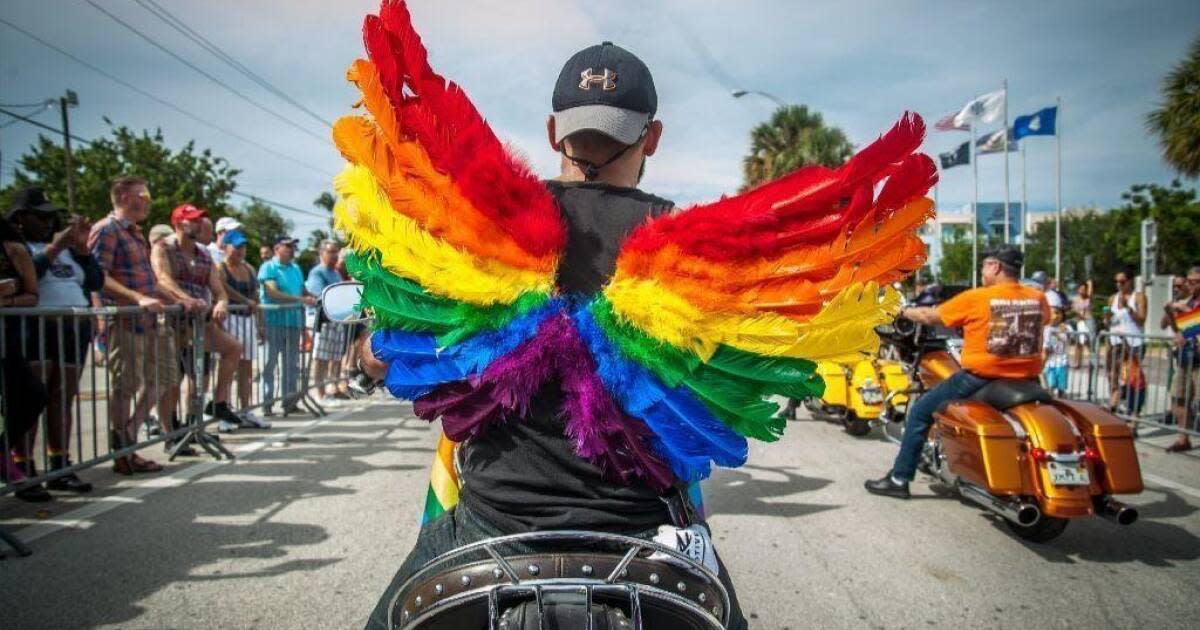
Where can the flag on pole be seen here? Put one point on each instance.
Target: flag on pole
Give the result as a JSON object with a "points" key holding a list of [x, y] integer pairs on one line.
{"points": [[982, 109], [994, 142], [957, 157], [1040, 123], [946, 123]]}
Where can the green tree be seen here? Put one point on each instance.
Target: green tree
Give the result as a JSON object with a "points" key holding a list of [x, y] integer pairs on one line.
{"points": [[1177, 121], [955, 264], [1081, 231], [262, 224], [1177, 213], [794, 137], [174, 177]]}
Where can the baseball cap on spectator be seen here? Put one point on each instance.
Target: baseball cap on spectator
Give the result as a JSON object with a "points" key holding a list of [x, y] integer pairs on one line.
{"points": [[604, 88], [234, 238], [1009, 255], [186, 212], [159, 232], [32, 199], [286, 240], [225, 224]]}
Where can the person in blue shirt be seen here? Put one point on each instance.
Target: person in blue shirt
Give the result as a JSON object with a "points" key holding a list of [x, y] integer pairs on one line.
{"points": [[281, 288], [329, 339]]}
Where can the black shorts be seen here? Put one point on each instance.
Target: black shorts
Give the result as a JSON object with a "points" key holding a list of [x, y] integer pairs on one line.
{"points": [[72, 334]]}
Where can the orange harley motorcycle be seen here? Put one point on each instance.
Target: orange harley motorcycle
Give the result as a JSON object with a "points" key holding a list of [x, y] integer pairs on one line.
{"points": [[1012, 448]]}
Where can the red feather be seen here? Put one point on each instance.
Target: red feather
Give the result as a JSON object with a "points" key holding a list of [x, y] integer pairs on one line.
{"points": [[809, 206], [438, 115]]}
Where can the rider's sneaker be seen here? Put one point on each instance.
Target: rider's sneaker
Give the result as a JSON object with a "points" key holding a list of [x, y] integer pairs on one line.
{"points": [[251, 420], [888, 487]]}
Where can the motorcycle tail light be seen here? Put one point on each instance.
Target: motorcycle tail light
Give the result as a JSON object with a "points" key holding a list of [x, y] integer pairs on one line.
{"points": [[1091, 454], [1038, 454]]}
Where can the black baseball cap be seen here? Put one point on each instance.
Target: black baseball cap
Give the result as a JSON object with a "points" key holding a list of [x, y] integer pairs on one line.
{"points": [[1008, 255], [604, 88], [32, 199], [286, 240]]}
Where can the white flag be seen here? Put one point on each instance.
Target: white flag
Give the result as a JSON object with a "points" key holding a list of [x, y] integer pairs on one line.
{"points": [[994, 142], [983, 109]]}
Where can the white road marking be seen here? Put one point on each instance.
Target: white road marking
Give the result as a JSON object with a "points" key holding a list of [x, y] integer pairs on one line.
{"points": [[1167, 483], [83, 517]]}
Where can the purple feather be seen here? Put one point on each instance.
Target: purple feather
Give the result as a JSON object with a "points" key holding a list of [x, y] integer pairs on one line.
{"points": [[616, 443]]}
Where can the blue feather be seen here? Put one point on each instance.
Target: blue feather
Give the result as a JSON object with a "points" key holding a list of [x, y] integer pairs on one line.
{"points": [[686, 432], [475, 353], [414, 366]]}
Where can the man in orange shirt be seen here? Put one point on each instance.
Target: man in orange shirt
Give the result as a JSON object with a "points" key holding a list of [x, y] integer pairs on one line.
{"points": [[1002, 339]]}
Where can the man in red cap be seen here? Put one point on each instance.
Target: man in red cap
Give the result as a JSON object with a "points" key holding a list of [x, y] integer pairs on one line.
{"points": [[187, 275]]}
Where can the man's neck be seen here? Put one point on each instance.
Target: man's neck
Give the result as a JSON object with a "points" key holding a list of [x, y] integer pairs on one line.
{"points": [[123, 214], [186, 243]]}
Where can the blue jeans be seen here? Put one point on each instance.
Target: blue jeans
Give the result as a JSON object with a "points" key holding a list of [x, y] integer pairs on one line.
{"points": [[960, 385]]}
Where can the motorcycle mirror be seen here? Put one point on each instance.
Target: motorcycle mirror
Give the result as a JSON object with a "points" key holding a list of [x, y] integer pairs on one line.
{"points": [[341, 302]]}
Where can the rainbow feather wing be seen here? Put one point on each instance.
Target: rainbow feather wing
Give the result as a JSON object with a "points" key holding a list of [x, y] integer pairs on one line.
{"points": [[715, 308], [457, 246]]}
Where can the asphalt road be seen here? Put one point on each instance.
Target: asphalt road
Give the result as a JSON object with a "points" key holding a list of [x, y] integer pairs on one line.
{"points": [[306, 528]]}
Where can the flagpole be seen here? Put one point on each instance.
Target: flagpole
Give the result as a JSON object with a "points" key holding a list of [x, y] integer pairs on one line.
{"points": [[974, 211], [1058, 191], [1024, 205], [1007, 224]]}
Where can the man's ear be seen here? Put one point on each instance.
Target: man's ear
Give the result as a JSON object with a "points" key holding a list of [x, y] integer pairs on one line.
{"points": [[653, 135], [550, 133]]}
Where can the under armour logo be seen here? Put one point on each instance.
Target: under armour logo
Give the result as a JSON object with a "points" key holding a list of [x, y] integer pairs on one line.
{"points": [[607, 81]]}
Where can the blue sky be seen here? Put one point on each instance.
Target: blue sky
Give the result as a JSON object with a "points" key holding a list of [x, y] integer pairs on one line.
{"points": [[858, 63]]}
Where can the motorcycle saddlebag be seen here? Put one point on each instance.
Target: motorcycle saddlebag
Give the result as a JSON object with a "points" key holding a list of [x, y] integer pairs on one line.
{"points": [[980, 445], [1118, 469]]}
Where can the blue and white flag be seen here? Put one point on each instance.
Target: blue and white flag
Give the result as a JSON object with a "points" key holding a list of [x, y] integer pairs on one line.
{"points": [[1040, 123]]}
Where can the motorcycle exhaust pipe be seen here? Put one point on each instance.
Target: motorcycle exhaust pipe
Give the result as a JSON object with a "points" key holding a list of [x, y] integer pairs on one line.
{"points": [[1116, 512], [1023, 514]]}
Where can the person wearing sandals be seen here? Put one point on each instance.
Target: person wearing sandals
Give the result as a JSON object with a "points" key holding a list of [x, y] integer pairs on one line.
{"points": [[67, 274]]}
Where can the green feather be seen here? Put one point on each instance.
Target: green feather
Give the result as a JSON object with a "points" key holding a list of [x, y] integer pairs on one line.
{"points": [[733, 388], [403, 304]]}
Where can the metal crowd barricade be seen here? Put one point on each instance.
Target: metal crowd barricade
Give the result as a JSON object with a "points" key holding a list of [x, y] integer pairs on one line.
{"points": [[1147, 379], [88, 383]]}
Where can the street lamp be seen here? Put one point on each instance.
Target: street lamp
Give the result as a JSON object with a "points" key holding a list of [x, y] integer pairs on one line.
{"points": [[767, 95]]}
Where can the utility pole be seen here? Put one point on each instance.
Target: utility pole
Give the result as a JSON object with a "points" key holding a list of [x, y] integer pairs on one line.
{"points": [[68, 100]]}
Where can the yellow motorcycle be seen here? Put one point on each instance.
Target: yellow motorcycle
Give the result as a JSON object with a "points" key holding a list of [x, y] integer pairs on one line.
{"points": [[861, 395]]}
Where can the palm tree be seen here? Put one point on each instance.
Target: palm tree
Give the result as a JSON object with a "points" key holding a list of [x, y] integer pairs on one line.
{"points": [[1177, 122], [794, 137]]}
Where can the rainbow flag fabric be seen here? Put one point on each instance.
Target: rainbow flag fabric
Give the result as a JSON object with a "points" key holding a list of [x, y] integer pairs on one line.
{"points": [[1189, 323]]}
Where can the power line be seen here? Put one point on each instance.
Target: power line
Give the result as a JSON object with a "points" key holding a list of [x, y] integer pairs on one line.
{"points": [[24, 105], [161, 101], [20, 118], [85, 141], [180, 26], [205, 74], [44, 107], [281, 205]]}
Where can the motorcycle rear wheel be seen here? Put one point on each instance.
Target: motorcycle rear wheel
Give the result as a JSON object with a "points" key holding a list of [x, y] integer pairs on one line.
{"points": [[1046, 528]]}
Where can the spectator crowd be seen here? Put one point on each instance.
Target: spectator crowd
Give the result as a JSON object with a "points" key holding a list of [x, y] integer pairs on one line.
{"points": [[203, 313]]}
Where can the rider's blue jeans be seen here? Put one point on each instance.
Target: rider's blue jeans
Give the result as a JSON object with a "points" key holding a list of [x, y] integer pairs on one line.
{"points": [[920, 418]]}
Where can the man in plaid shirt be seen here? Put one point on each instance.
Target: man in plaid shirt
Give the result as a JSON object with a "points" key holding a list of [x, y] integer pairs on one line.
{"points": [[141, 355]]}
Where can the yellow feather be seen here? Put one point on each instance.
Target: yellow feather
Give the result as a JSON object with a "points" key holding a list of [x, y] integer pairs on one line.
{"points": [[364, 213], [843, 328]]}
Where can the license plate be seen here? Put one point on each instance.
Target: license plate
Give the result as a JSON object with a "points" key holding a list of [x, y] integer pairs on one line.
{"points": [[1068, 474]]}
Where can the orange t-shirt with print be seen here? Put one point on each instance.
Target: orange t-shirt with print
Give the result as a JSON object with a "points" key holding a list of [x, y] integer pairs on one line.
{"points": [[1002, 329]]}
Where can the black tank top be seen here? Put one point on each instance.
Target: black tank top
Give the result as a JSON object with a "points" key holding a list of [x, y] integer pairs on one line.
{"points": [[524, 475]]}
